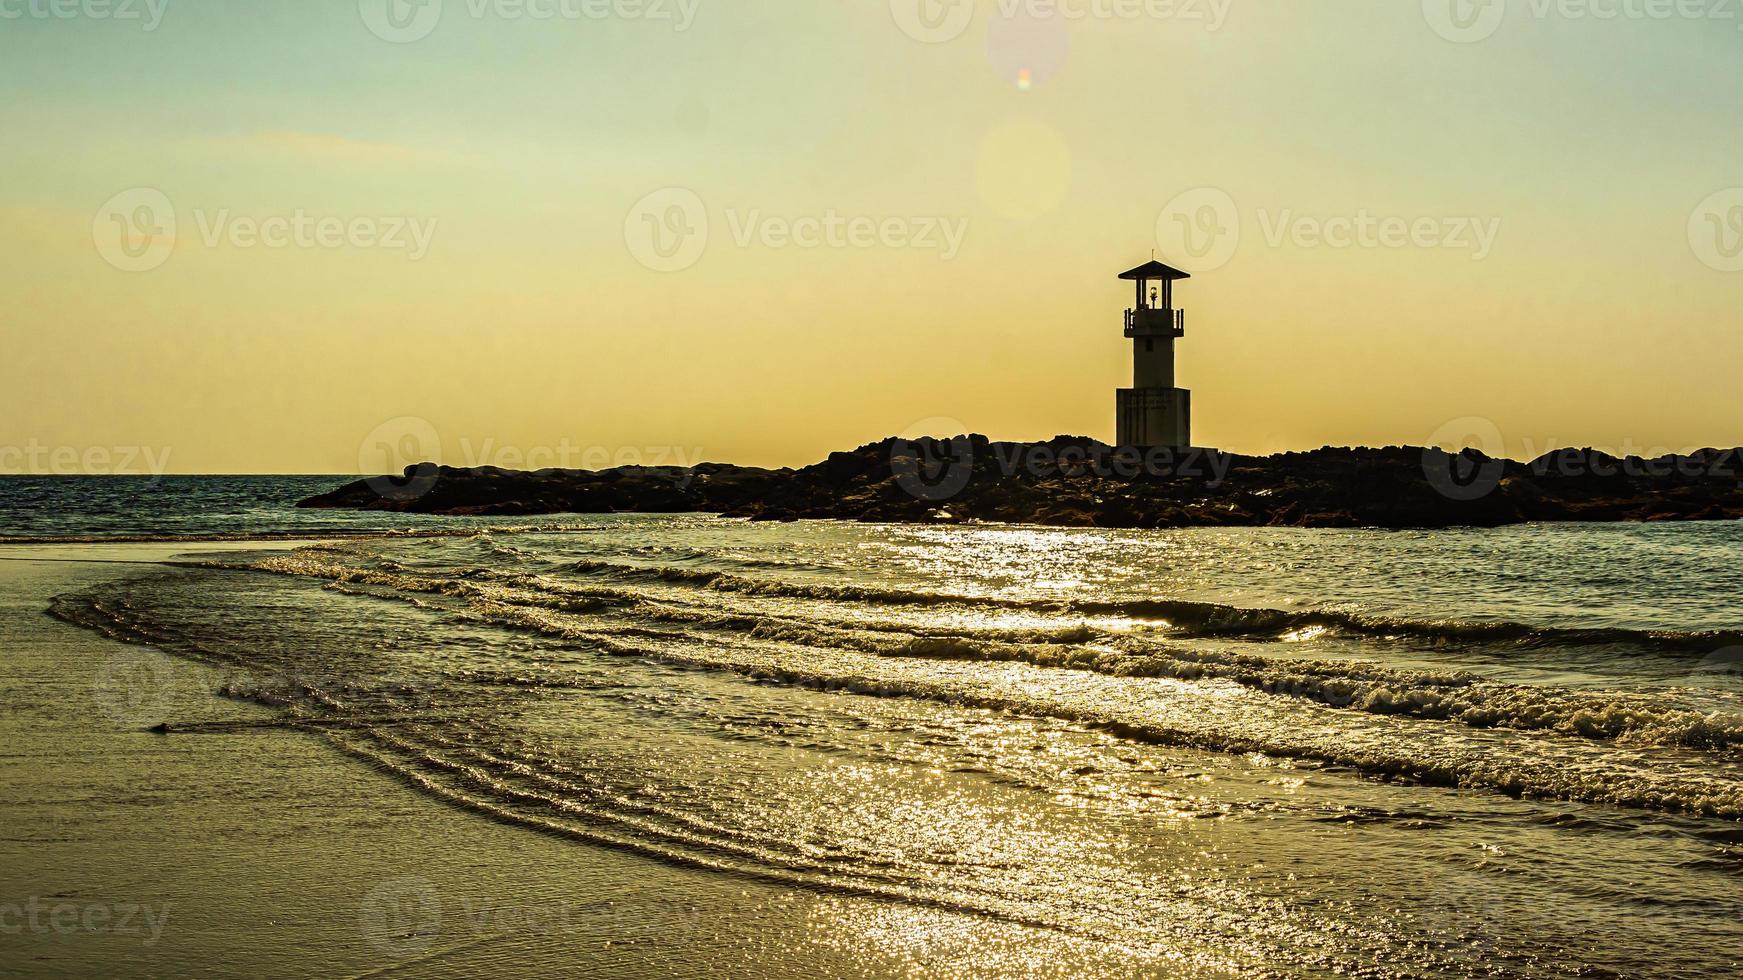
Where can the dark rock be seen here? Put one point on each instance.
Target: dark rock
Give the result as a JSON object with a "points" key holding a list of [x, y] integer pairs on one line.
{"points": [[1079, 482]]}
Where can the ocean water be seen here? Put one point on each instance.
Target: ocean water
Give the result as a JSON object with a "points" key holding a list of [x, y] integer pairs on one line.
{"points": [[168, 508], [1221, 752]]}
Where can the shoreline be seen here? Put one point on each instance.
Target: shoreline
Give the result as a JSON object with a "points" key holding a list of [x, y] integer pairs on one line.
{"points": [[247, 849]]}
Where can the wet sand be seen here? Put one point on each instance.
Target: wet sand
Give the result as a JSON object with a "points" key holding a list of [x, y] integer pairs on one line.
{"points": [[257, 851]]}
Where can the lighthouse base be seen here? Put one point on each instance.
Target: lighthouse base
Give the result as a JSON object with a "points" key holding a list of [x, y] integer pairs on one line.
{"points": [[1154, 417]]}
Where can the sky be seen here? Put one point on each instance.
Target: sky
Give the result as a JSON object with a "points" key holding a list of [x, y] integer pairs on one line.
{"points": [[335, 236]]}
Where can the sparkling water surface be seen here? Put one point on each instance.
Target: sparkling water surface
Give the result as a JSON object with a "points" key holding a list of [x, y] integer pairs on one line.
{"points": [[1243, 752]]}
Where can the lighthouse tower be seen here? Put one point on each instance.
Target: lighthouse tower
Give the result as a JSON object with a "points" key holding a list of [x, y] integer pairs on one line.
{"points": [[1152, 412]]}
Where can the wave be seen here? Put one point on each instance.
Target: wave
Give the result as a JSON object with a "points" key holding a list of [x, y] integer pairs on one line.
{"points": [[1544, 776], [763, 644], [1627, 719], [1460, 697], [1187, 617]]}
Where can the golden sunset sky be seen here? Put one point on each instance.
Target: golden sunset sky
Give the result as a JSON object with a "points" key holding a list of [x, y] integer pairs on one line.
{"points": [[1398, 215]]}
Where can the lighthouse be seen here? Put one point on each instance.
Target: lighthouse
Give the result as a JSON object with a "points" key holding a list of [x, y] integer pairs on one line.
{"points": [[1152, 412]]}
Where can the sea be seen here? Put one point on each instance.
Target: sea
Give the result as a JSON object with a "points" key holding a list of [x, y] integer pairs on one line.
{"points": [[1512, 752]]}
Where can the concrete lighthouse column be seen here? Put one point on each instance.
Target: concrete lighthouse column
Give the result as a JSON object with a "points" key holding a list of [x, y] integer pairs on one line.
{"points": [[1152, 362]]}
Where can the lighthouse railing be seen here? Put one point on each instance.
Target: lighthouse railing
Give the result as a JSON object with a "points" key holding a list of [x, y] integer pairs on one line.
{"points": [[1176, 318]]}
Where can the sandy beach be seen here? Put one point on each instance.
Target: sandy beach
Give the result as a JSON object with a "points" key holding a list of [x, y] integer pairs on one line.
{"points": [[260, 852]]}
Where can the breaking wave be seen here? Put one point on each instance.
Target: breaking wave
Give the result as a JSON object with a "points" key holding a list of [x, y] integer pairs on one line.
{"points": [[1184, 616]]}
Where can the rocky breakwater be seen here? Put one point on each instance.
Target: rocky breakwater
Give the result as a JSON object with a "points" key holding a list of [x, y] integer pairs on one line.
{"points": [[1081, 482]]}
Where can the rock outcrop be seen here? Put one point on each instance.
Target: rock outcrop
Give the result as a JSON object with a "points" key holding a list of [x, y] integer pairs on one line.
{"points": [[1080, 482]]}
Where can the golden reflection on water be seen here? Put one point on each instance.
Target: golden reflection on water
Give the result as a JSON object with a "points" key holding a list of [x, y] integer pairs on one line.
{"points": [[938, 945]]}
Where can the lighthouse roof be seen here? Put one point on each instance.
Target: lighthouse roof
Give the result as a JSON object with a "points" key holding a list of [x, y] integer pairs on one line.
{"points": [[1154, 270]]}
